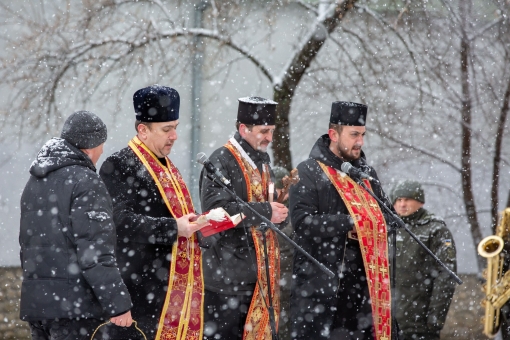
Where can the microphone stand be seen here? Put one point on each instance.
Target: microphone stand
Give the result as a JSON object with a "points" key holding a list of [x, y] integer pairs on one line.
{"points": [[401, 224], [393, 232], [264, 226]]}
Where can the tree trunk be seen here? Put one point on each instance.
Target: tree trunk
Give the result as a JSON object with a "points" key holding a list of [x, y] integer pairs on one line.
{"points": [[281, 145], [466, 111], [284, 92], [497, 158]]}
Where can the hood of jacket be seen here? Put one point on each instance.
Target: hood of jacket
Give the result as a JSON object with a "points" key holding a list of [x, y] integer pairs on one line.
{"points": [[55, 154], [321, 152]]}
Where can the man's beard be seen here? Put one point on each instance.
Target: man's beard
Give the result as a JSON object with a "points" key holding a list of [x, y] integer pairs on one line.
{"points": [[262, 148], [345, 155]]}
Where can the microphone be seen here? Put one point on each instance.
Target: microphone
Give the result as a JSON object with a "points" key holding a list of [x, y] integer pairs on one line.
{"points": [[202, 159], [355, 172]]}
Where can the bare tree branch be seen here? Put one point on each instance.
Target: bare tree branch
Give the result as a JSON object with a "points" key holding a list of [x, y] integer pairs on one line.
{"points": [[423, 151], [486, 28], [381, 20], [307, 7]]}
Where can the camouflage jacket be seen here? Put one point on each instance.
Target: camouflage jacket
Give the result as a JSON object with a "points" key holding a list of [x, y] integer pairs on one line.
{"points": [[424, 289]]}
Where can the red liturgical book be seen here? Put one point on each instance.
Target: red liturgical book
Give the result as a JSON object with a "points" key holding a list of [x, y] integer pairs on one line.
{"points": [[219, 220]]}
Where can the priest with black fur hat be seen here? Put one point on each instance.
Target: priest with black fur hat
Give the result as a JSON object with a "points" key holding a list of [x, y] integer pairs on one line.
{"points": [[157, 247], [236, 282], [338, 223]]}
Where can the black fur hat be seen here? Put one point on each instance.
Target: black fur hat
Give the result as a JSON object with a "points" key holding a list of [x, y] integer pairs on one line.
{"points": [[347, 113], [156, 103], [256, 111]]}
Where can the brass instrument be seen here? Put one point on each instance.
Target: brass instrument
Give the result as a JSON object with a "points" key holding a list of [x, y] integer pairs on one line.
{"points": [[497, 286]]}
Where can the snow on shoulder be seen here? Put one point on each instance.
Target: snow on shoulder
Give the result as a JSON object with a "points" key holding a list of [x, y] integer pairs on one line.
{"points": [[51, 145], [51, 152], [257, 100]]}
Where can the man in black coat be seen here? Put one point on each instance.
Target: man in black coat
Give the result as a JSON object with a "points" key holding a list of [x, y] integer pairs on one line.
{"points": [[325, 205], [232, 267], [71, 283], [153, 213]]}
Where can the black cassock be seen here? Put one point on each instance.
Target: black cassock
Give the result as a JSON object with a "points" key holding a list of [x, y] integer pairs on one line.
{"points": [[323, 307], [146, 232]]}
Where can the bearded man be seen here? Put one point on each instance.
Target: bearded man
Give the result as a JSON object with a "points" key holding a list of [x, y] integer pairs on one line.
{"points": [[237, 286], [341, 225]]}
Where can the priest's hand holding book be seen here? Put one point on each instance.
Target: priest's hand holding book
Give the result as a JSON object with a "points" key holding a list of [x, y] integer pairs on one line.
{"points": [[218, 220], [188, 224]]}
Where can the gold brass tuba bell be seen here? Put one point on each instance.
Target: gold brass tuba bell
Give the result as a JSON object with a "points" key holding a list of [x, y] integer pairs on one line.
{"points": [[490, 246], [497, 286]]}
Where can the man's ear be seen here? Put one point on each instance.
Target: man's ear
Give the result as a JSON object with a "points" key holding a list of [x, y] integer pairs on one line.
{"points": [[142, 130], [333, 135], [243, 130]]}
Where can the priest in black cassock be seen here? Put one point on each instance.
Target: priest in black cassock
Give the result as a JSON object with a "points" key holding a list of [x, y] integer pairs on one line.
{"points": [[157, 246], [342, 226], [236, 282]]}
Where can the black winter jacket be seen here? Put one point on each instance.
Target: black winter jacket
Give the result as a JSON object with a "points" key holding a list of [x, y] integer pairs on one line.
{"points": [[321, 222], [67, 240], [146, 232], [229, 261]]}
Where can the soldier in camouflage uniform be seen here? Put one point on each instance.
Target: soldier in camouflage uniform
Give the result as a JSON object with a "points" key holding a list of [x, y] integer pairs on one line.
{"points": [[424, 290]]}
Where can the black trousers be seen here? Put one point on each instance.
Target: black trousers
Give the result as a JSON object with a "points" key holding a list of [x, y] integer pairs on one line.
{"points": [[353, 317], [225, 315], [65, 329]]}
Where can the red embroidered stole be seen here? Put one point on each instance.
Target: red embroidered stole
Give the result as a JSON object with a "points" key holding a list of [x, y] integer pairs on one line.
{"points": [[257, 326], [182, 314], [372, 236]]}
